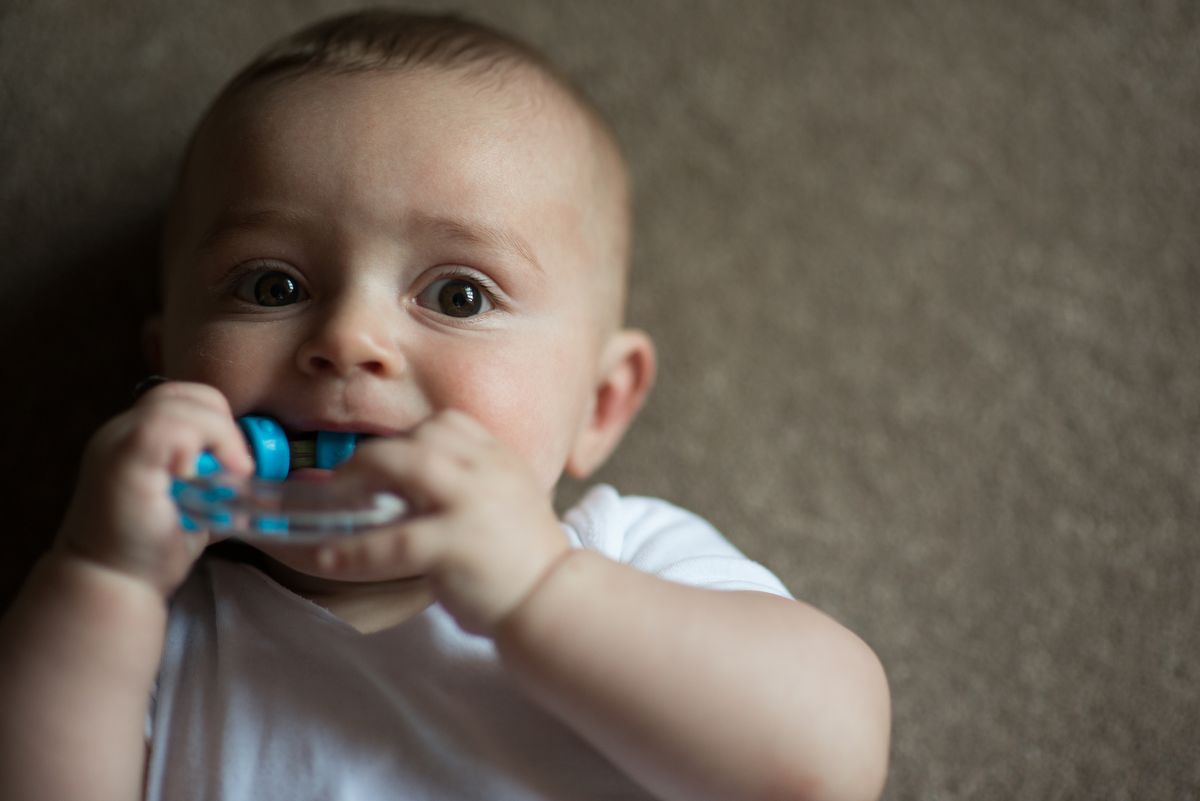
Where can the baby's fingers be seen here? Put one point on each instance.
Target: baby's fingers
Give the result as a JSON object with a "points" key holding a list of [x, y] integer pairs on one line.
{"points": [[176, 421], [429, 478], [411, 549]]}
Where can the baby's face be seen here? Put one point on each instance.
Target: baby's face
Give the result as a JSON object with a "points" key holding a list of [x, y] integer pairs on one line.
{"points": [[357, 252]]}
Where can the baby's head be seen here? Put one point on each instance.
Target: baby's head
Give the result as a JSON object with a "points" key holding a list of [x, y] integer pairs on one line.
{"points": [[391, 214]]}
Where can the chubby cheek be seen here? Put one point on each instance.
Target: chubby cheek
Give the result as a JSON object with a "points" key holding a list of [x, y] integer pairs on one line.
{"points": [[239, 363], [530, 403]]}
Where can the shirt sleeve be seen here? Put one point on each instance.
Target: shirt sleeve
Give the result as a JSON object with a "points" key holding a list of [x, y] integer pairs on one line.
{"points": [[658, 537]]}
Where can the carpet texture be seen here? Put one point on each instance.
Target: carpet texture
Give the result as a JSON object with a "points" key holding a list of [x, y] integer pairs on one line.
{"points": [[924, 277]]}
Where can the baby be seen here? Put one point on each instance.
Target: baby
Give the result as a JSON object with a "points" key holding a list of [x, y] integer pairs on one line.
{"points": [[413, 227]]}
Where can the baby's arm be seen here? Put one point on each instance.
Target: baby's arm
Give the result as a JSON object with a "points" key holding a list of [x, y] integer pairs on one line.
{"points": [[80, 647], [701, 694], [697, 694], [79, 652]]}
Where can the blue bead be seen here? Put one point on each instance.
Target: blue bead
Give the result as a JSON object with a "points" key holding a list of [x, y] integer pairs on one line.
{"points": [[334, 447], [268, 445]]}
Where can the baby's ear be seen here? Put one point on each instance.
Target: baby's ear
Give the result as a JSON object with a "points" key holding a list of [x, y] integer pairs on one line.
{"points": [[152, 343], [628, 368]]}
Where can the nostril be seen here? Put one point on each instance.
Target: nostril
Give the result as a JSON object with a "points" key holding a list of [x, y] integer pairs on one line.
{"points": [[320, 363], [342, 354]]}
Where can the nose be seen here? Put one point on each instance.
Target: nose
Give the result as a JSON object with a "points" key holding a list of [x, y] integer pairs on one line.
{"points": [[354, 336]]}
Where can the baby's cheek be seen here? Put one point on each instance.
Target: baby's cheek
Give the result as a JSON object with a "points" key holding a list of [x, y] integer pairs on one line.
{"points": [[523, 409], [226, 358]]}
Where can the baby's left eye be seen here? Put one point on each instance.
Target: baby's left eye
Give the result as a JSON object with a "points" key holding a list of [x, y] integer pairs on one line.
{"points": [[455, 297]]}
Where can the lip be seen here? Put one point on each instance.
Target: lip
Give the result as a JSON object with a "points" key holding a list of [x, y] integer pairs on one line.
{"points": [[311, 475]]}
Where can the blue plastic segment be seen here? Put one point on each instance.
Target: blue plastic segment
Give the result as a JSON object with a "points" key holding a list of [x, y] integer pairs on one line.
{"points": [[207, 464], [268, 445], [219, 521], [178, 486], [271, 524], [334, 447]]}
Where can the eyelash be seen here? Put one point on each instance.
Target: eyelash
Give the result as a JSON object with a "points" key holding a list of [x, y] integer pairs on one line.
{"points": [[228, 284], [488, 286]]}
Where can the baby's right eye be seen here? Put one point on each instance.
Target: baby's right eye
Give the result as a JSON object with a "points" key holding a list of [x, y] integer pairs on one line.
{"points": [[269, 288]]}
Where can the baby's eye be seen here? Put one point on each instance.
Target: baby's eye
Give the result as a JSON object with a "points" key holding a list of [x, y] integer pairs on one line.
{"points": [[455, 297], [270, 288]]}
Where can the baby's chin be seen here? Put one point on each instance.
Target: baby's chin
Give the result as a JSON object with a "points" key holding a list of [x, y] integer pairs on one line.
{"points": [[296, 567]]}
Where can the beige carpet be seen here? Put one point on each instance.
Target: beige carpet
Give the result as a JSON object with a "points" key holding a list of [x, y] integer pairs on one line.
{"points": [[925, 280]]}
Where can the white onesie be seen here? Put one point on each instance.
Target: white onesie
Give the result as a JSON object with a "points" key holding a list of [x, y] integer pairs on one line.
{"points": [[263, 695]]}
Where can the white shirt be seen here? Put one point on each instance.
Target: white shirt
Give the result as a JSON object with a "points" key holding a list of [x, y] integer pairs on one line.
{"points": [[264, 695]]}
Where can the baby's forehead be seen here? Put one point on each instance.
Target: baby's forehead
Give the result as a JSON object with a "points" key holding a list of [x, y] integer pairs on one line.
{"points": [[536, 118], [572, 145], [520, 94]]}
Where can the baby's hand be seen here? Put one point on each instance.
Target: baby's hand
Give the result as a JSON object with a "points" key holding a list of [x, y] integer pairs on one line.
{"points": [[484, 531], [122, 516]]}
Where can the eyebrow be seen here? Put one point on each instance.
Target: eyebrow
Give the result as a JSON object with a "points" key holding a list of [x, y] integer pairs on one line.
{"points": [[476, 232], [447, 227], [234, 221]]}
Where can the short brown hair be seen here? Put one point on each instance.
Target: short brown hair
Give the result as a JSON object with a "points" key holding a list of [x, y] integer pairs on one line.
{"points": [[387, 39]]}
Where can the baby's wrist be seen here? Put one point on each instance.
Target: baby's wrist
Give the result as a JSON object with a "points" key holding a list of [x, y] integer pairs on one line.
{"points": [[533, 595], [66, 562]]}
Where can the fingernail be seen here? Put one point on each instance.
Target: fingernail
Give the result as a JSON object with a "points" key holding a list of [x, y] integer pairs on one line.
{"points": [[327, 558], [146, 384]]}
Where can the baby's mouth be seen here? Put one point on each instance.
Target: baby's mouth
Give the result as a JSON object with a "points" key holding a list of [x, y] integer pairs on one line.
{"points": [[314, 454], [282, 450]]}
